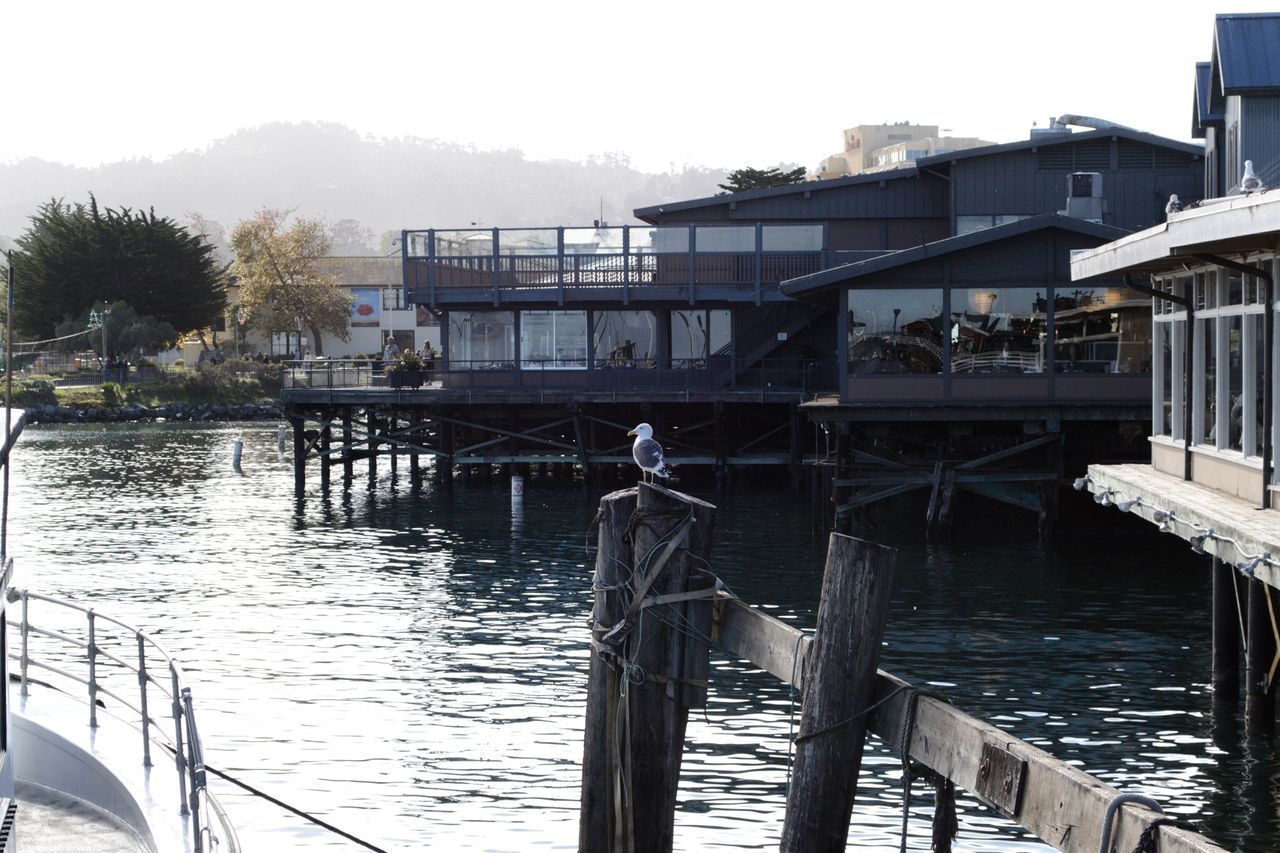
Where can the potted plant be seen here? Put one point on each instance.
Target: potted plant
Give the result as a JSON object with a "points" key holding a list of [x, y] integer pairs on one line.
{"points": [[405, 371]]}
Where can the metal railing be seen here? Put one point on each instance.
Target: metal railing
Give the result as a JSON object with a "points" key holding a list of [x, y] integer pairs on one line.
{"points": [[486, 263], [717, 373], [110, 666]]}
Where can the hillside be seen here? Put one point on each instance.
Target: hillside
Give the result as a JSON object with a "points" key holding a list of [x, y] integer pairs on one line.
{"points": [[330, 171]]}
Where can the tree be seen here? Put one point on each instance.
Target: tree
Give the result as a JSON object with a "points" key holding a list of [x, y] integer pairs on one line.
{"points": [[126, 332], [280, 281], [73, 257], [758, 179]]}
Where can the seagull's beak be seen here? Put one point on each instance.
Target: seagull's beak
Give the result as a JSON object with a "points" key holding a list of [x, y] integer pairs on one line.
{"points": [[631, 432]]}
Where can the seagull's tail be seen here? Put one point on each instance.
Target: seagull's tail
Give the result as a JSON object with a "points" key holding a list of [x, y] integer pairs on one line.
{"points": [[665, 471]]}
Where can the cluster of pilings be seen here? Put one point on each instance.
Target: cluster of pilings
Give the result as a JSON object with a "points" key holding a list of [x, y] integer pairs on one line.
{"points": [[1244, 626]]}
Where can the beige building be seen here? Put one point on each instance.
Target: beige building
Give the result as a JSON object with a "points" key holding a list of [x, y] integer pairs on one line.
{"points": [[875, 147]]}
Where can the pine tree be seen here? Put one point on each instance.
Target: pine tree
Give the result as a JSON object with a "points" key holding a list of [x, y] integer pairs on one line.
{"points": [[757, 179], [73, 257]]}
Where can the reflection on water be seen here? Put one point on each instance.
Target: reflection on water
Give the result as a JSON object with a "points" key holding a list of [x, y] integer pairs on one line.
{"points": [[411, 664]]}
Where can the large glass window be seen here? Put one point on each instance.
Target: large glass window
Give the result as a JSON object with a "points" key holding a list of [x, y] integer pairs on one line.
{"points": [[1234, 375], [1102, 330], [895, 331], [482, 340], [625, 338], [1208, 397], [553, 340], [997, 330], [697, 334], [1164, 341]]}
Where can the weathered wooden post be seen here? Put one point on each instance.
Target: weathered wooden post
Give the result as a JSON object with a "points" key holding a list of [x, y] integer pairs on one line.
{"points": [[839, 686], [346, 447], [1259, 695], [1226, 634], [650, 625], [299, 455], [325, 459]]}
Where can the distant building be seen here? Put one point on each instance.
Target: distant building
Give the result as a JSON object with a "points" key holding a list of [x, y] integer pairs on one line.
{"points": [[1237, 102], [872, 148]]}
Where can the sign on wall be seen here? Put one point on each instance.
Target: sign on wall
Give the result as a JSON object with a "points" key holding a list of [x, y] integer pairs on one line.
{"points": [[366, 308]]}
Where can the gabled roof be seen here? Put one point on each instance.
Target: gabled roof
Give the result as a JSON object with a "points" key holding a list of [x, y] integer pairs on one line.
{"points": [[1203, 113], [930, 251], [1060, 139], [804, 188], [1245, 54]]}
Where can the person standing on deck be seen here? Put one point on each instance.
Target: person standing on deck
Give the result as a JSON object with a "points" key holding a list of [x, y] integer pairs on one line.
{"points": [[391, 351]]}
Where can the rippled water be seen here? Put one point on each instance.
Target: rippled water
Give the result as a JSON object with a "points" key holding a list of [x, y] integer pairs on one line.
{"points": [[411, 664]]}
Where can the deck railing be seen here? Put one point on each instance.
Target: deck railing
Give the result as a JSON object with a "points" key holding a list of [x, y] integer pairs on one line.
{"points": [[115, 654], [622, 261], [717, 373]]}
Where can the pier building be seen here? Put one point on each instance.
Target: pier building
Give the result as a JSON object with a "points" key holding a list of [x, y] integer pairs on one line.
{"points": [[1211, 268], [759, 328]]}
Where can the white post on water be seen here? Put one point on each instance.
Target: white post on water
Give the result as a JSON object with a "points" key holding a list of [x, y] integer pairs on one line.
{"points": [[236, 450], [280, 433], [517, 489]]}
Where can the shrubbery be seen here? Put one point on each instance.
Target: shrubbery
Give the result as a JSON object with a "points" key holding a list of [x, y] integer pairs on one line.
{"points": [[34, 391]]}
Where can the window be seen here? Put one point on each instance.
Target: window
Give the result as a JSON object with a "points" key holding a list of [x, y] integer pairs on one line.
{"points": [[970, 224], [1208, 396], [393, 299], [1170, 342], [480, 340], [997, 330], [553, 340], [895, 331], [625, 338], [1102, 330], [697, 335]]}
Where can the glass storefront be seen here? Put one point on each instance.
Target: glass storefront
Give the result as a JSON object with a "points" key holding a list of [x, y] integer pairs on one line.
{"points": [[895, 331], [625, 338], [553, 340], [1102, 330], [480, 340], [997, 330]]}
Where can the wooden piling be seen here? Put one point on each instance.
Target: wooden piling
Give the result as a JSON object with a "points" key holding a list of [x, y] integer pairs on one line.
{"points": [[299, 456], [839, 687], [1226, 635], [647, 668], [393, 426], [415, 421], [347, 453], [325, 461], [1259, 696], [372, 427]]}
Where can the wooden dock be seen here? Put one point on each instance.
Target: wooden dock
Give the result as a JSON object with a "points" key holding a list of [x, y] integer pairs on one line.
{"points": [[640, 692]]}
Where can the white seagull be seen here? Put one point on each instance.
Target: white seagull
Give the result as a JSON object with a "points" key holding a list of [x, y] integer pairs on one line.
{"points": [[1250, 183], [1174, 206], [648, 454]]}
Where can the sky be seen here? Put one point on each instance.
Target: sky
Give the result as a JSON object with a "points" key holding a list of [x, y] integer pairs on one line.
{"points": [[668, 84]]}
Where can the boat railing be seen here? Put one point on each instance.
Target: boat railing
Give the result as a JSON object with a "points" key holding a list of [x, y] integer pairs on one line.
{"points": [[114, 654]]}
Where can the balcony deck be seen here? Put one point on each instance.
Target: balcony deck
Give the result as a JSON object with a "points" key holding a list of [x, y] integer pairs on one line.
{"points": [[722, 264]]}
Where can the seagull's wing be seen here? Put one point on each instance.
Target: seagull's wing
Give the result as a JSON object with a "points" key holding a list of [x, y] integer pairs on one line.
{"points": [[647, 453]]}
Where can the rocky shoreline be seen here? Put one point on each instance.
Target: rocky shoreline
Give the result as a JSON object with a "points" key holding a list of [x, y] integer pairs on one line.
{"points": [[166, 412]]}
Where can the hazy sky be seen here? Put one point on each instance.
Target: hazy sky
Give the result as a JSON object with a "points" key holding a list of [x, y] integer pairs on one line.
{"points": [[698, 82]]}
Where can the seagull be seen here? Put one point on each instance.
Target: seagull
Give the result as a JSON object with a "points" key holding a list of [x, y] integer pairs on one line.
{"points": [[648, 454], [1250, 182], [1174, 206]]}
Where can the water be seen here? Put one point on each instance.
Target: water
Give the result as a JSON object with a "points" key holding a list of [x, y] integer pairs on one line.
{"points": [[412, 665]]}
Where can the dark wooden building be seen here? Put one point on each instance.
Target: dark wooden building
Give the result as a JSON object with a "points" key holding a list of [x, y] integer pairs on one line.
{"points": [[718, 318]]}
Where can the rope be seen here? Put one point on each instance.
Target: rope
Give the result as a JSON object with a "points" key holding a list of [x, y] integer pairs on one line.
{"points": [[299, 812], [1112, 807], [1147, 841], [945, 824]]}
